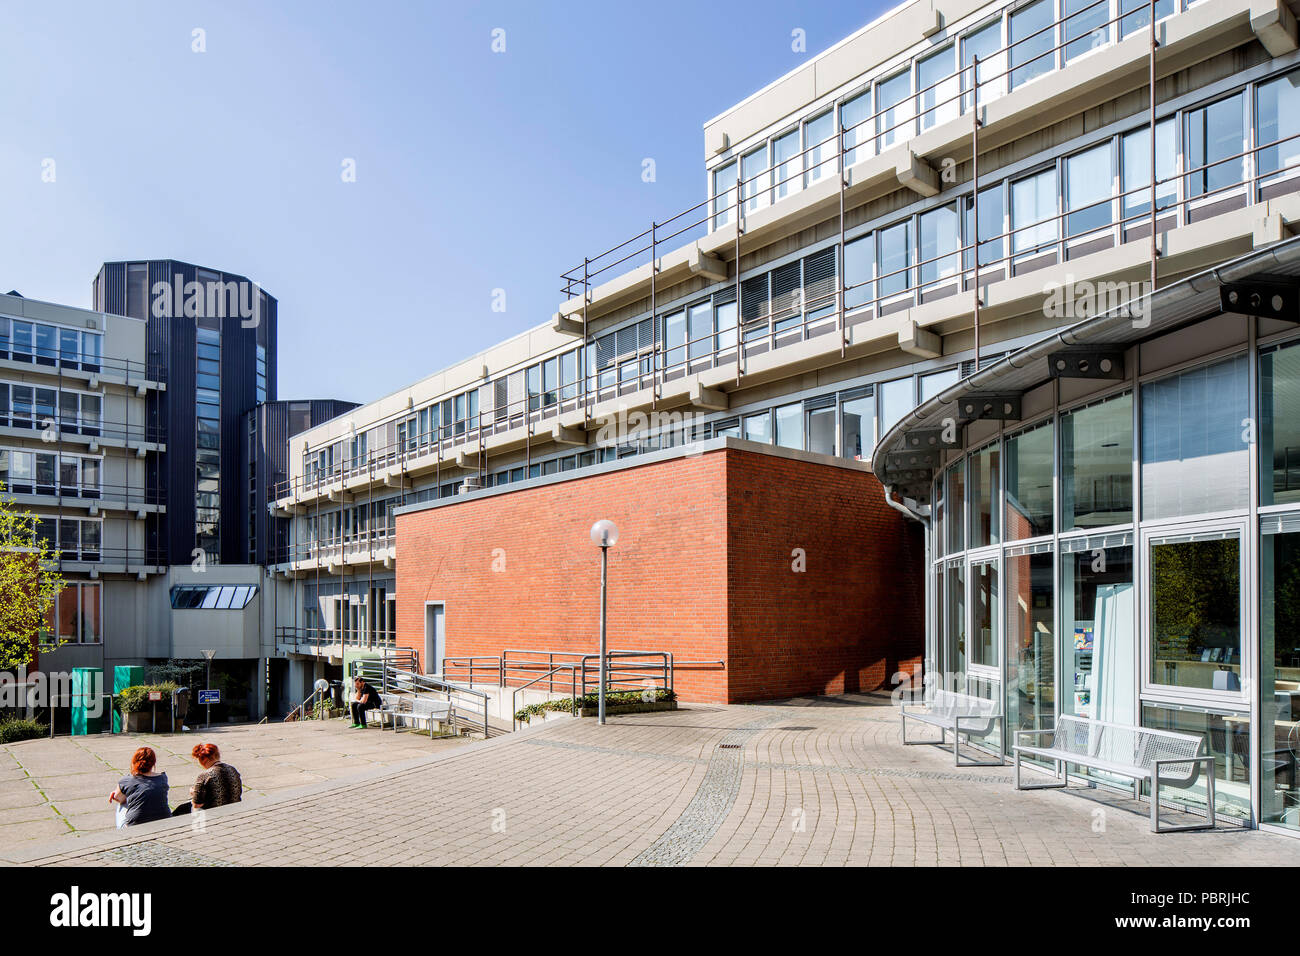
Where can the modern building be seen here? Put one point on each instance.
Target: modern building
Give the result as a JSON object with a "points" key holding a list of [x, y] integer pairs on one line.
{"points": [[1112, 526], [215, 334], [827, 284], [75, 447]]}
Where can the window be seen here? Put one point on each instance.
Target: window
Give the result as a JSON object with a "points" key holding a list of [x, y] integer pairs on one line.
{"points": [[1098, 638], [1277, 122], [985, 43], [984, 506], [1279, 440], [1196, 611], [1032, 39], [1137, 14], [675, 338], [1033, 212], [938, 234], [787, 163], [1085, 26], [820, 427], [897, 398], [1029, 483], [212, 597], [954, 496], [759, 428], [1135, 158], [895, 259], [986, 606], [754, 179], [859, 271], [820, 146], [858, 421], [938, 88], [1030, 639], [724, 317], [855, 116], [700, 329], [1215, 135], [1194, 457], [991, 228], [724, 195], [789, 426], [1089, 184], [1279, 658], [1097, 464], [894, 125], [936, 382]]}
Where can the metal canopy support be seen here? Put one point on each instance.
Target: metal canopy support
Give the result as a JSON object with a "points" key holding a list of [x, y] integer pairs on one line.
{"points": [[933, 438], [1003, 408], [1086, 363], [1264, 297]]}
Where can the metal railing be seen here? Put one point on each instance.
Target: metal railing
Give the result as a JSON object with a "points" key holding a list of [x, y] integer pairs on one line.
{"points": [[313, 640], [55, 358], [407, 681]]}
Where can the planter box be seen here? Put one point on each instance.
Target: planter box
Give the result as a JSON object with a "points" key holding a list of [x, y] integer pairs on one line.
{"points": [[640, 707], [141, 722]]}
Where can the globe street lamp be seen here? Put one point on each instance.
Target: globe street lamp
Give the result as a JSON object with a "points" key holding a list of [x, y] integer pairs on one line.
{"points": [[604, 534]]}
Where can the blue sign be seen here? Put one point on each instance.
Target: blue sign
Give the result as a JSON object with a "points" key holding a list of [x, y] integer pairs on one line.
{"points": [[209, 696]]}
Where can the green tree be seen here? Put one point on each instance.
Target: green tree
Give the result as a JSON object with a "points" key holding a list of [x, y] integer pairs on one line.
{"points": [[29, 583]]}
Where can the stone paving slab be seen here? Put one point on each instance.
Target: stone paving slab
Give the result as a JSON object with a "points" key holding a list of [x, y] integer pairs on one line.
{"points": [[54, 787], [810, 782]]}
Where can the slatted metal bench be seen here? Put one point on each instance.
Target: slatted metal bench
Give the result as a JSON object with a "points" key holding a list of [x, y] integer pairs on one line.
{"points": [[418, 710], [961, 714], [1139, 753]]}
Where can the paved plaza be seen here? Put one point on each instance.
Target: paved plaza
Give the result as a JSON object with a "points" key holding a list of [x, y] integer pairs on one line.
{"points": [[53, 788], [815, 782]]}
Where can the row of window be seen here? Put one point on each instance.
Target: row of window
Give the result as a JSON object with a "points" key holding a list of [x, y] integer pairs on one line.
{"points": [[38, 407], [1194, 458], [24, 472], [1088, 200], [212, 596], [75, 539], [207, 436], [1014, 48], [53, 345]]}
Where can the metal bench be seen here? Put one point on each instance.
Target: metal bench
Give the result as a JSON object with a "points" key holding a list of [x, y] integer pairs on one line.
{"points": [[418, 710], [1157, 756], [961, 714]]}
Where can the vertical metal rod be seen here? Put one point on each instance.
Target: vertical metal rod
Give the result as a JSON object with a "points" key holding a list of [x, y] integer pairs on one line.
{"points": [[1151, 119], [654, 319], [975, 195], [586, 346], [740, 311], [844, 183], [600, 693]]}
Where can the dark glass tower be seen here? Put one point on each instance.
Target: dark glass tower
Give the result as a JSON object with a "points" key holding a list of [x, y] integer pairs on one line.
{"points": [[215, 334]]}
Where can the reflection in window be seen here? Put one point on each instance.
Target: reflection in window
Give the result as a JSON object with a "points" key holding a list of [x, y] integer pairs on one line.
{"points": [[1215, 140], [1277, 121], [985, 43], [1135, 149], [855, 115], [1033, 211], [1029, 483], [984, 512], [724, 195], [938, 233], [1279, 433], [1088, 180], [1031, 645], [1227, 737], [937, 88], [893, 124], [1279, 671], [1098, 640], [1032, 39], [819, 142], [859, 270], [859, 417], [1196, 612], [1097, 464], [984, 595], [1085, 26], [897, 398], [1194, 457], [955, 498], [759, 428], [789, 426], [821, 430], [895, 258]]}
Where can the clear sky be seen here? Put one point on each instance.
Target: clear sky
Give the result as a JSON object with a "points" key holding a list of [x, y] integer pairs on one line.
{"points": [[475, 170]]}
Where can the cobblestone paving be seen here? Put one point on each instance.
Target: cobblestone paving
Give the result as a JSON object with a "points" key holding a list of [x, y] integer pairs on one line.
{"points": [[822, 783]]}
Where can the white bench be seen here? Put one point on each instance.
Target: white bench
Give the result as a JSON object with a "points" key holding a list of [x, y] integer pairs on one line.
{"points": [[1156, 756], [418, 710], [961, 714]]}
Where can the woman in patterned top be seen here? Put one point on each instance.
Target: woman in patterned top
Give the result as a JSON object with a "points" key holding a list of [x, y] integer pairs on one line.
{"points": [[216, 786]]}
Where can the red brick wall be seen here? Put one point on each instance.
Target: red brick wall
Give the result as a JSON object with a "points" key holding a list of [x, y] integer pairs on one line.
{"points": [[667, 574], [854, 615], [702, 569]]}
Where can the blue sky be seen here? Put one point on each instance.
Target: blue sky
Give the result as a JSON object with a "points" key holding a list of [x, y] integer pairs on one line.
{"points": [[475, 170]]}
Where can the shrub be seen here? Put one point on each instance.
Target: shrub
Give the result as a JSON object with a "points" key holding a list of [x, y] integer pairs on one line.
{"points": [[133, 700], [525, 715], [13, 729]]}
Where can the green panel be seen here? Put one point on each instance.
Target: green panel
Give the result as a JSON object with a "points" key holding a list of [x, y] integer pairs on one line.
{"points": [[87, 715], [124, 676]]}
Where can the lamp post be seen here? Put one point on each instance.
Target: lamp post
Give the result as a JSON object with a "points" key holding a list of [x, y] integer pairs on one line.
{"points": [[604, 534], [207, 684]]}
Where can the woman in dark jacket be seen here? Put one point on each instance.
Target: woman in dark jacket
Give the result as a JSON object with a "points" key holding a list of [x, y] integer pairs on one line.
{"points": [[218, 784], [142, 797]]}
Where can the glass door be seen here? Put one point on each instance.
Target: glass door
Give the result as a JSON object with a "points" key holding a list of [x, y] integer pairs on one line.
{"points": [[1030, 627]]}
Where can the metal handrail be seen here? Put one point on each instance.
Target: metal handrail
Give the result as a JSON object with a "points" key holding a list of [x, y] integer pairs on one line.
{"points": [[548, 676], [398, 680]]}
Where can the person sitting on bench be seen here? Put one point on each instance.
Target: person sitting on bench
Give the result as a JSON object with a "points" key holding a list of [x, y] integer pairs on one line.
{"points": [[366, 698]]}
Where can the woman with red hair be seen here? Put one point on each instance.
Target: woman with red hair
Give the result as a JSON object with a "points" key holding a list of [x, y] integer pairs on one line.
{"points": [[142, 796], [216, 786]]}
